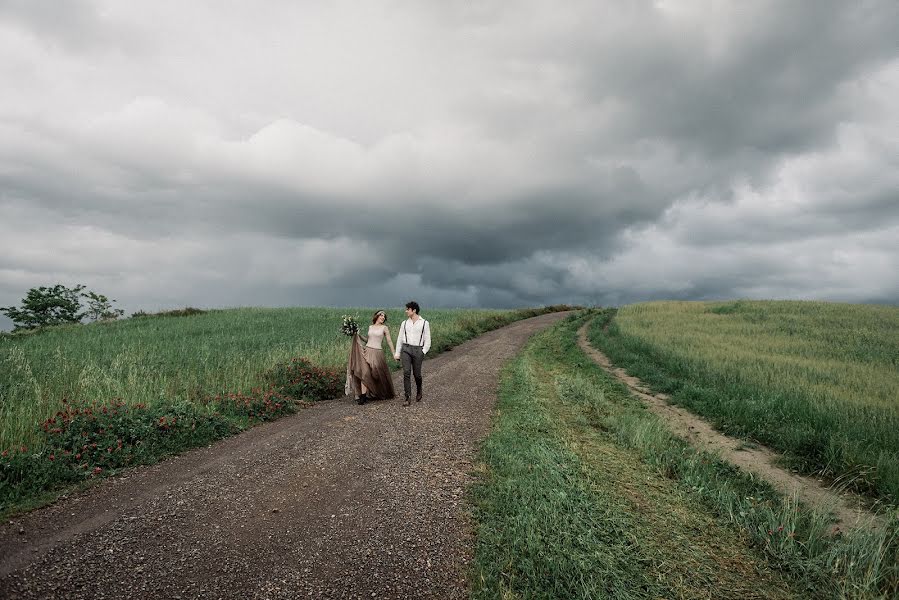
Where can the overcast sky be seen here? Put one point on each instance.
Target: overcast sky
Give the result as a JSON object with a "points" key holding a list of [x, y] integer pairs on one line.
{"points": [[460, 153]]}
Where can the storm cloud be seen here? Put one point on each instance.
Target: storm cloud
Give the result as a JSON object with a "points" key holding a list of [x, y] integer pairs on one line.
{"points": [[491, 155]]}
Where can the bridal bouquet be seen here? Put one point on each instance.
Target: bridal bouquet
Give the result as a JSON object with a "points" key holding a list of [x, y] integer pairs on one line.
{"points": [[350, 327]]}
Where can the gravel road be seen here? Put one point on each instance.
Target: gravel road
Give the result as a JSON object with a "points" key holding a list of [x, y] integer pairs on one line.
{"points": [[338, 501]]}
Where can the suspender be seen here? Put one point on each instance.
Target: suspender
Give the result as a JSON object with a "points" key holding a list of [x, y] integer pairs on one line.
{"points": [[420, 338]]}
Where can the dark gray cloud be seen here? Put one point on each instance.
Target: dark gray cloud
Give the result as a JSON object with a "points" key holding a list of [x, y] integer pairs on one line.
{"points": [[72, 23], [492, 155]]}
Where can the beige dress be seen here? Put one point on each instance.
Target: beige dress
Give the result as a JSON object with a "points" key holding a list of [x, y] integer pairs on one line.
{"points": [[367, 365]]}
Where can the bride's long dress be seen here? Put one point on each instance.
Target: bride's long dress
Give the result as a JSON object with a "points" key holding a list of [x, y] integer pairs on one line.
{"points": [[367, 365]]}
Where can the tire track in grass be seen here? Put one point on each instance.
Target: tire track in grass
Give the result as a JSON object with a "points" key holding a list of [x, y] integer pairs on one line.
{"points": [[755, 459]]}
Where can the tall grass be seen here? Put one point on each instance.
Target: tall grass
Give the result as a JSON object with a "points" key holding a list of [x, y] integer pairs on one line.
{"points": [[168, 360], [818, 381]]}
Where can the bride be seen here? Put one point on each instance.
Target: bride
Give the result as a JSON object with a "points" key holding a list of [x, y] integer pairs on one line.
{"points": [[367, 370]]}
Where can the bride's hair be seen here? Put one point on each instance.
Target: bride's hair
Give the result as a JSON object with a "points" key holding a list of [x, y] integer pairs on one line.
{"points": [[374, 317]]}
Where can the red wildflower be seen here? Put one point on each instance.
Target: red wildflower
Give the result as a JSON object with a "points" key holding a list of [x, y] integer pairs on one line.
{"points": [[97, 470], [52, 457], [78, 456]]}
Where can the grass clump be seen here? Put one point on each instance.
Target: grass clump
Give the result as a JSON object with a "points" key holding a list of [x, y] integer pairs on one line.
{"points": [[543, 531]]}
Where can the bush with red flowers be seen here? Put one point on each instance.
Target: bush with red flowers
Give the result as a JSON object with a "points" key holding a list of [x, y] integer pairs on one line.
{"points": [[86, 440], [301, 380], [260, 406]]}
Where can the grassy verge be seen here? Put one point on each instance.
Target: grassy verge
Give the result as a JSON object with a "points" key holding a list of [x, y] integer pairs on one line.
{"points": [[818, 382], [587, 494], [81, 441]]}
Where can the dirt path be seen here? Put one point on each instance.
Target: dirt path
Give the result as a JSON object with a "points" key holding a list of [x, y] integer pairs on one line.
{"points": [[338, 501], [758, 459]]}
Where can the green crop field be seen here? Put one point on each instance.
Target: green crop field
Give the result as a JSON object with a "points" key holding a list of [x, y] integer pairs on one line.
{"points": [[818, 381], [162, 360]]}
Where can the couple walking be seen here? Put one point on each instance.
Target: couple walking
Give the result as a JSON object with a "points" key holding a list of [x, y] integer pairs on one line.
{"points": [[368, 376]]}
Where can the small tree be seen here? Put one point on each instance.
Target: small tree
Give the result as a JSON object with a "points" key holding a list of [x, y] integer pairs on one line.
{"points": [[99, 307], [46, 306]]}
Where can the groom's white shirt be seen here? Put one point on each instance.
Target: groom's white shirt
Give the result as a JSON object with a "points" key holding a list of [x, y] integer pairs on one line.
{"points": [[418, 333]]}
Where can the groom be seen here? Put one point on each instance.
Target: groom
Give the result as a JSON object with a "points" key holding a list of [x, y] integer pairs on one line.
{"points": [[412, 343]]}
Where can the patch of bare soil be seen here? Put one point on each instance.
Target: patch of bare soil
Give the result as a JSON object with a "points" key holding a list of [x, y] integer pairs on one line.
{"points": [[338, 501], [755, 459]]}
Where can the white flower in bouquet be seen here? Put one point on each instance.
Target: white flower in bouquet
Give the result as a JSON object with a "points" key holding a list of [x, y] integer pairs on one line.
{"points": [[350, 327]]}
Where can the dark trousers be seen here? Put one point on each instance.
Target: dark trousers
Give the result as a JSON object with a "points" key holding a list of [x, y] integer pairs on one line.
{"points": [[412, 357]]}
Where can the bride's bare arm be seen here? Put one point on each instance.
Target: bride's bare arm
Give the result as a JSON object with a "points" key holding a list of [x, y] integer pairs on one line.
{"points": [[389, 340]]}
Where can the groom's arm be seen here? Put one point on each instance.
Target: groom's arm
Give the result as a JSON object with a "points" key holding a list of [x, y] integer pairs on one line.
{"points": [[427, 337]]}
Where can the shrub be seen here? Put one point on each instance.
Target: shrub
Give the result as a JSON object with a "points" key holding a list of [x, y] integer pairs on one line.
{"points": [[178, 312], [266, 406], [87, 440], [300, 379]]}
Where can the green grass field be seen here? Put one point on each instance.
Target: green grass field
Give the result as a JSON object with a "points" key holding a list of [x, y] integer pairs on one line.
{"points": [[584, 493], [818, 381], [79, 403], [164, 360]]}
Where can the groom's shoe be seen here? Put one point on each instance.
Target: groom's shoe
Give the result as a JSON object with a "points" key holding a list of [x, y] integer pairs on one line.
{"points": [[418, 396], [408, 402], [362, 399]]}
